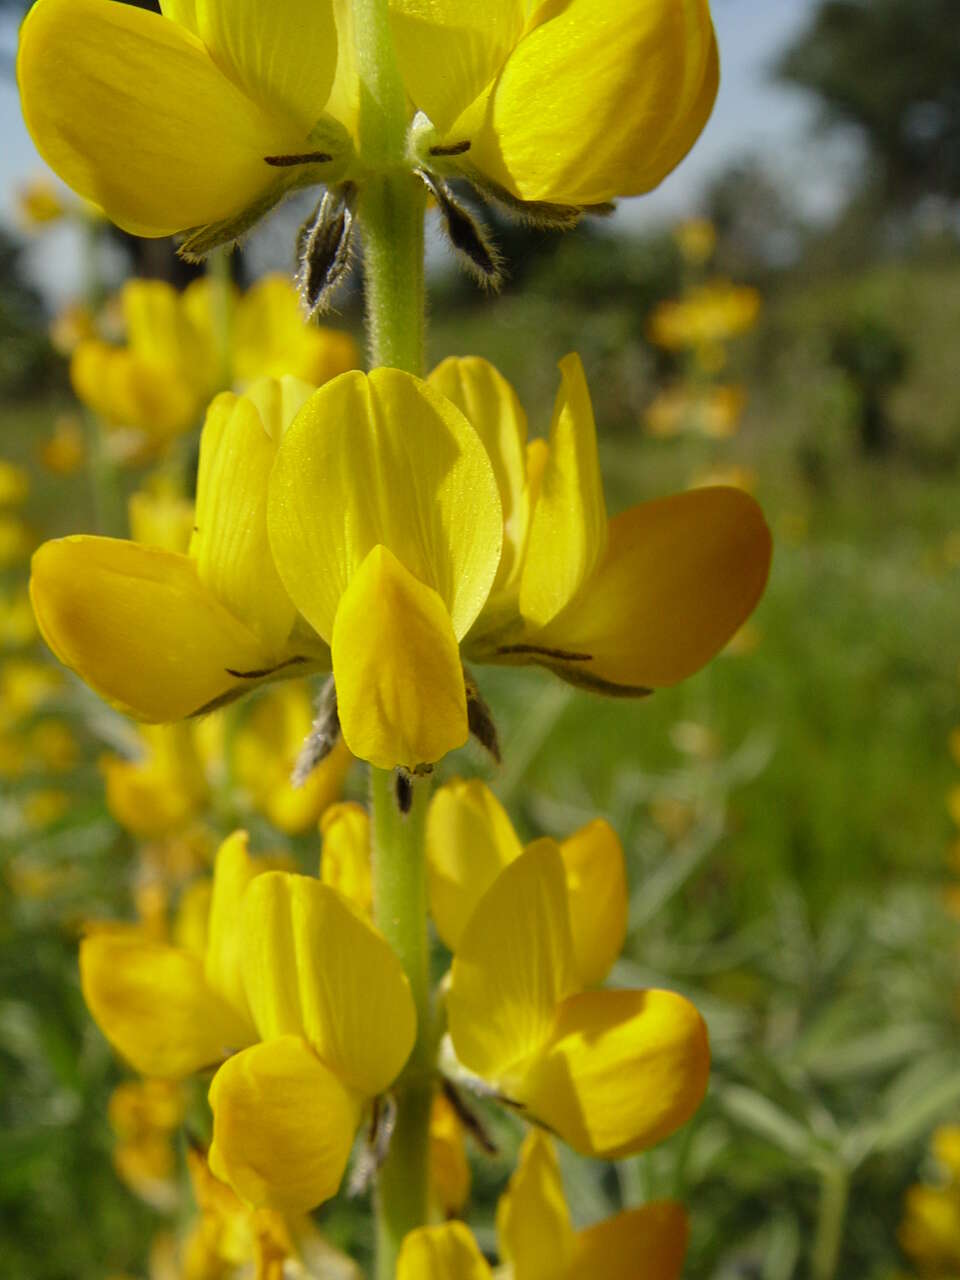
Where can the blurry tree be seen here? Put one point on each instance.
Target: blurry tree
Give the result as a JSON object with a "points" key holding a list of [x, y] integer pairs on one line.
{"points": [[25, 353], [891, 68], [874, 358], [758, 229]]}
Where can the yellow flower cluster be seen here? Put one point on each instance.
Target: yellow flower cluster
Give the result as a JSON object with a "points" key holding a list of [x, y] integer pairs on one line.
{"points": [[930, 1229]]}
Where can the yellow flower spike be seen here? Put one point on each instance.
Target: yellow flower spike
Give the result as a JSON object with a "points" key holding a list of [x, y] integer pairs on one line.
{"points": [[167, 1010], [333, 1008], [534, 1229], [161, 793], [611, 1072], [442, 1253], [235, 86], [163, 635], [345, 857], [449, 1169], [470, 840], [264, 747], [386, 528]]}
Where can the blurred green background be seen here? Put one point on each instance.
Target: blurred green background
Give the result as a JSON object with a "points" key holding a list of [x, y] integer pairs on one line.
{"points": [[784, 813]]}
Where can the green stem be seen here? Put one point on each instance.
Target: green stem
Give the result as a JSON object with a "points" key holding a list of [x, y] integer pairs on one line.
{"points": [[390, 213], [831, 1220], [400, 910]]}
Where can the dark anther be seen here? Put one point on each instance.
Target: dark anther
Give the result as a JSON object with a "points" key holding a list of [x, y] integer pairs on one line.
{"points": [[467, 235], [264, 671], [538, 651], [480, 718], [303, 157], [453, 149], [323, 737], [324, 250], [470, 1121], [403, 784]]}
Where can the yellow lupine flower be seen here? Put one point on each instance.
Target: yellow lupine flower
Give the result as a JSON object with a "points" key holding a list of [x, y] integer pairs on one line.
{"points": [[303, 1002], [696, 239], [262, 750], [537, 1239], [166, 635], [449, 1170], [470, 841], [714, 312], [209, 114], [619, 606], [162, 792], [65, 451], [385, 525], [610, 1072]]}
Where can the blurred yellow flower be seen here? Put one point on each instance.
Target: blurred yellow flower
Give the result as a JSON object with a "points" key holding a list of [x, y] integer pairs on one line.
{"points": [[163, 791], [345, 856], [696, 239], [18, 627], [14, 484], [263, 748], [449, 1170], [571, 104], [65, 451], [17, 540], [25, 686], [537, 1239], [173, 361], [144, 1115], [714, 412], [714, 312], [38, 203], [74, 323], [930, 1228], [609, 1072], [160, 518]]}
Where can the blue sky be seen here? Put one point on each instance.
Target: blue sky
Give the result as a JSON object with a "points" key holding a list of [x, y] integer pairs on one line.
{"points": [[752, 115]]}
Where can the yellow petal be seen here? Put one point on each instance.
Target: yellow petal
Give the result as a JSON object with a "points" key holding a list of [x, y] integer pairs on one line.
{"points": [[514, 966], [154, 1006], [470, 840], [313, 968], [534, 1230], [623, 1070], [490, 405], [283, 1126], [442, 1253], [138, 625], [400, 691], [160, 793], [283, 57], [650, 1242], [449, 1169], [161, 330], [230, 543], [345, 857], [449, 51], [223, 970], [600, 98], [270, 337], [568, 531], [131, 111], [679, 577], [383, 459], [597, 885]]}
